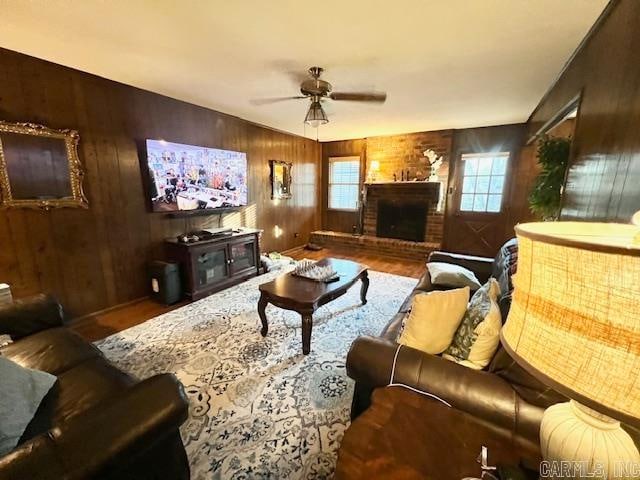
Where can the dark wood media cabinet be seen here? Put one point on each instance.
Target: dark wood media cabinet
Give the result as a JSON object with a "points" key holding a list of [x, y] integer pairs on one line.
{"points": [[212, 265]]}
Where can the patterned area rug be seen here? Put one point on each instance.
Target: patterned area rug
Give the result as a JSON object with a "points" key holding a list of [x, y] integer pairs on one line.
{"points": [[259, 408]]}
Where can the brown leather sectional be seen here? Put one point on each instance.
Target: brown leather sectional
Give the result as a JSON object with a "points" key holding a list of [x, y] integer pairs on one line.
{"points": [[503, 395], [96, 422]]}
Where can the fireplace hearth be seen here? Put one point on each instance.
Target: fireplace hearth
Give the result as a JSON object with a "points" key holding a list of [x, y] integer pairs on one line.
{"points": [[402, 203], [402, 220]]}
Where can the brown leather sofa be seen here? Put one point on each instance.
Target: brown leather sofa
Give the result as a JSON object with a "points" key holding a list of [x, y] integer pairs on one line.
{"points": [[503, 395], [96, 422]]}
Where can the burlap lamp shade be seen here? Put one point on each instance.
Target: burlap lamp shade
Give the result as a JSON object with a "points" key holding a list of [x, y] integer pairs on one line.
{"points": [[574, 323]]}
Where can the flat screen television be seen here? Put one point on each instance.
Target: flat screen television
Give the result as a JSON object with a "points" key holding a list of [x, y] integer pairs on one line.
{"points": [[187, 177]]}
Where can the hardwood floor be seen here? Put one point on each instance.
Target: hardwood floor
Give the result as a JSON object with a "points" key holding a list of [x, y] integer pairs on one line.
{"points": [[102, 324]]}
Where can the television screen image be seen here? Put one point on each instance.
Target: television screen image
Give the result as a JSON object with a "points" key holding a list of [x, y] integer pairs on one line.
{"points": [[186, 177]]}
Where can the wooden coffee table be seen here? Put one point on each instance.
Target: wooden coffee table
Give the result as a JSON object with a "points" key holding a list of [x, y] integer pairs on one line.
{"points": [[306, 296]]}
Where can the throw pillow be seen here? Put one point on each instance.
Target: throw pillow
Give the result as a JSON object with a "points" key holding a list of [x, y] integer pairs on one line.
{"points": [[478, 335], [450, 275], [433, 319], [21, 391], [512, 260]]}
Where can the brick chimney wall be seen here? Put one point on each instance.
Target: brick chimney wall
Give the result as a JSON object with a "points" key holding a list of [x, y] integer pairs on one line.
{"points": [[397, 153]]}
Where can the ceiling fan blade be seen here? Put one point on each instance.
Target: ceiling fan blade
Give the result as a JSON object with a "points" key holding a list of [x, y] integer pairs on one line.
{"points": [[359, 97], [267, 101]]}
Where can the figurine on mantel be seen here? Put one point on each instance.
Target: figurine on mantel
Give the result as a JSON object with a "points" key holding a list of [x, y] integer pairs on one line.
{"points": [[419, 176], [435, 162]]}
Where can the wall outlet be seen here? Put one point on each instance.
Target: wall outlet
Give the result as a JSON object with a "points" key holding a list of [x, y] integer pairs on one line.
{"points": [[296, 235]]}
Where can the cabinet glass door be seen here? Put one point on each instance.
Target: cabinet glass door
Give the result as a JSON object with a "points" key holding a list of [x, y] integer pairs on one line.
{"points": [[243, 256], [210, 267]]}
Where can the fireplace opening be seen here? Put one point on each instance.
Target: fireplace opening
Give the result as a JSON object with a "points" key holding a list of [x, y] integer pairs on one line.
{"points": [[402, 220]]}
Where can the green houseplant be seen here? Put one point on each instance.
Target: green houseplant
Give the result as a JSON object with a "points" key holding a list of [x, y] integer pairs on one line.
{"points": [[553, 158]]}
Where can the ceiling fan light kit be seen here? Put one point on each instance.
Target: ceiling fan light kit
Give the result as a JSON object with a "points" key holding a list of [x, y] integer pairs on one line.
{"points": [[316, 90], [316, 115]]}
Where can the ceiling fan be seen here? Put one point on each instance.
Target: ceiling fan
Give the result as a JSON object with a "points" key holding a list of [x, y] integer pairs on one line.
{"points": [[318, 90]]}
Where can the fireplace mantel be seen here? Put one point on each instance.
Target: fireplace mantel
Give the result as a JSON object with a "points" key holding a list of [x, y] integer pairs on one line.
{"points": [[432, 187]]}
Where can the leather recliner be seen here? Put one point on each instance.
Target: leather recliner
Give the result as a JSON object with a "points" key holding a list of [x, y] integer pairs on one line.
{"points": [[503, 395], [96, 422]]}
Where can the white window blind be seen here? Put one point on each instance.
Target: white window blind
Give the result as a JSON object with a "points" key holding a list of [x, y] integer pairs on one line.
{"points": [[344, 182], [483, 182]]}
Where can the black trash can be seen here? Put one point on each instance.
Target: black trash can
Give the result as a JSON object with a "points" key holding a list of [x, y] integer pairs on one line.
{"points": [[164, 280]]}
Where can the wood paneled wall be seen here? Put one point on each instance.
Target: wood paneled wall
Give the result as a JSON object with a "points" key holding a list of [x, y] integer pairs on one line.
{"points": [[603, 182], [96, 258]]}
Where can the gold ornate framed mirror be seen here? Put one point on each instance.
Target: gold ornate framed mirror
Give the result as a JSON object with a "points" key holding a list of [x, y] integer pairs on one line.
{"points": [[280, 179], [39, 167]]}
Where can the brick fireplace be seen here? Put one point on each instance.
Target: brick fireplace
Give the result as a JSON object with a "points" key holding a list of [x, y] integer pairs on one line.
{"points": [[402, 220], [408, 198], [404, 210]]}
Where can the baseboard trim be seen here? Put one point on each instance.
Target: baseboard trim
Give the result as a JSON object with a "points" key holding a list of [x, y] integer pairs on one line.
{"points": [[104, 311]]}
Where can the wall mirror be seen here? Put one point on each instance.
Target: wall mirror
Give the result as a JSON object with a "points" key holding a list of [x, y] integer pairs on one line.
{"points": [[554, 148], [562, 124], [39, 167], [280, 179]]}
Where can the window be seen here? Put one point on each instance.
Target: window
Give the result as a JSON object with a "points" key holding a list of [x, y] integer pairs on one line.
{"points": [[483, 182], [344, 182]]}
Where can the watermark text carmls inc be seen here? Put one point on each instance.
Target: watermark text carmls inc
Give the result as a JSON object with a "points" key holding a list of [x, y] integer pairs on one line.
{"points": [[570, 469]]}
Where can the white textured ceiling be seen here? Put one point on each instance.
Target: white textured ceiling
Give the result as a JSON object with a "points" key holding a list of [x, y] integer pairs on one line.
{"points": [[443, 63]]}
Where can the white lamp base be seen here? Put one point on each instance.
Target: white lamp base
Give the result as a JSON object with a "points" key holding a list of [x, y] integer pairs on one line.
{"points": [[585, 444]]}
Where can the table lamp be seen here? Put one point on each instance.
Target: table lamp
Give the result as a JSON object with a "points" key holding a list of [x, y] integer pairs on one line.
{"points": [[574, 324]]}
